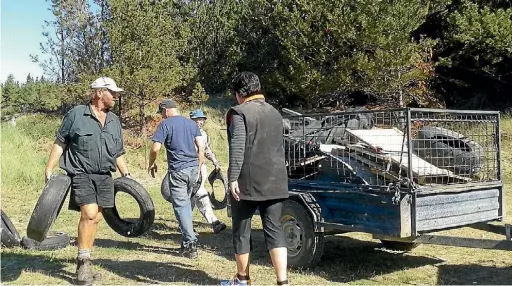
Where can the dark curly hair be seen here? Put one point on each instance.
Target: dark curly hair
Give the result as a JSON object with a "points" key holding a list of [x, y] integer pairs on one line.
{"points": [[246, 84]]}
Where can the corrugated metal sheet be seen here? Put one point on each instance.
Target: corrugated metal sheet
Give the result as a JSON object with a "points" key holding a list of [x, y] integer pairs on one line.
{"points": [[446, 210]]}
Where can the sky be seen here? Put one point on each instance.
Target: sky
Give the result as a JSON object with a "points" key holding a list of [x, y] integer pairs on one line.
{"points": [[22, 23]]}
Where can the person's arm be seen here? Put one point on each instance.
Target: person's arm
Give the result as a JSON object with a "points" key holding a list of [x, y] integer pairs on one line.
{"points": [[208, 153], [57, 150], [153, 168], [158, 139], [199, 145], [120, 160], [236, 153], [122, 167], [236, 147], [61, 140]]}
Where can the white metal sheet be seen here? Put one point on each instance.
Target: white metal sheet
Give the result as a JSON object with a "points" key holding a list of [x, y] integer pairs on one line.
{"points": [[392, 144]]}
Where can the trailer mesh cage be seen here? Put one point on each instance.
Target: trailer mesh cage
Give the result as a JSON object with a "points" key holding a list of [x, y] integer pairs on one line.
{"points": [[419, 147]]}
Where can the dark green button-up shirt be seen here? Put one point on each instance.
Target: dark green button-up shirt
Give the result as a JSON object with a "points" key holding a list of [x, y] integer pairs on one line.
{"points": [[90, 148]]}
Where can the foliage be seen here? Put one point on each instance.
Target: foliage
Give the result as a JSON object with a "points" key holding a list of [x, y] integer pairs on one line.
{"points": [[314, 53]]}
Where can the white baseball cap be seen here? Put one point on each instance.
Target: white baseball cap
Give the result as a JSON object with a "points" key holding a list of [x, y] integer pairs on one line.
{"points": [[106, 82]]}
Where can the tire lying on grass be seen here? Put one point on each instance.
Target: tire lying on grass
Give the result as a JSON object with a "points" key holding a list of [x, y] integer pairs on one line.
{"points": [[10, 236], [146, 207], [449, 150], [48, 206], [217, 175], [305, 247], [55, 241]]}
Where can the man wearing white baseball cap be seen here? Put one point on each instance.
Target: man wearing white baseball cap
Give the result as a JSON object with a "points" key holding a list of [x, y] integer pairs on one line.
{"points": [[90, 140], [106, 82]]}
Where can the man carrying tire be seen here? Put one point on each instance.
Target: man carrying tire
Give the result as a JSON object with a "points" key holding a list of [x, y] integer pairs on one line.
{"points": [[201, 198], [91, 142], [185, 156], [257, 175]]}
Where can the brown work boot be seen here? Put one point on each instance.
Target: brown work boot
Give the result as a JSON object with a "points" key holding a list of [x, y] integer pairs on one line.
{"points": [[85, 275]]}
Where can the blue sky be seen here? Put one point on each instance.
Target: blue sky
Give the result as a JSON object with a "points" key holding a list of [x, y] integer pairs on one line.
{"points": [[22, 24]]}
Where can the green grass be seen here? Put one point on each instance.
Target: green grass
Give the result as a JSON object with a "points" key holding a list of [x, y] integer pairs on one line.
{"points": [[352, 258]]}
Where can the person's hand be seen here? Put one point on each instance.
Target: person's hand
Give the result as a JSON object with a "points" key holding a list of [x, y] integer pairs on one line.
{"points": [[235, 191], [152, 170], [47, 175]]}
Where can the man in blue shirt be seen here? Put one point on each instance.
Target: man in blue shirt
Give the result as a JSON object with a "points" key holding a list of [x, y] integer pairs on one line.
{"points": [[185, 156]]}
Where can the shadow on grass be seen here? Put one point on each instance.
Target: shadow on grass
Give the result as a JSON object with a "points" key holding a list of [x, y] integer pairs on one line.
{"points": [[13, 264], [128, 245], [156, 272], [347, 259], [474, 274]]}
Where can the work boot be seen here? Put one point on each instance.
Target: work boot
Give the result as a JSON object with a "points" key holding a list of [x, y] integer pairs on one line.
{"points": [[190, 251], [218, 226], [84, 273]]}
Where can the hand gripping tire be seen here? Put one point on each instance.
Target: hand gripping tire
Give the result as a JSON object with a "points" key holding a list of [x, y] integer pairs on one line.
{"points": [[217, 175], [48, 206], [10, 236], [449, 150], [56, 241], [146, 206]]}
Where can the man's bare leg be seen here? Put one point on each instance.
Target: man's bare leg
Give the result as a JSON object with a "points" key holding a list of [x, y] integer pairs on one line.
{"points": [[90, 215]]}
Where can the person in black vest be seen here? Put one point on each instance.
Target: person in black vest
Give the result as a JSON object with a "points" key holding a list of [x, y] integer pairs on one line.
{"points": [[257, 175]]}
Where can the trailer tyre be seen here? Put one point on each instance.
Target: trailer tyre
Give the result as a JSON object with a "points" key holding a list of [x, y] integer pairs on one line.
{"points": [[399, 245], [305, 247], [146, 207]]}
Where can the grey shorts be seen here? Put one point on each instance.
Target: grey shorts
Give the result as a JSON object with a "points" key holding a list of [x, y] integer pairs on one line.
{"points": [[91, 189]]}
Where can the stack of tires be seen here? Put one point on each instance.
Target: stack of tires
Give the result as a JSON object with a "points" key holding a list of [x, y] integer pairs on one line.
{"points": [[449, 150]]}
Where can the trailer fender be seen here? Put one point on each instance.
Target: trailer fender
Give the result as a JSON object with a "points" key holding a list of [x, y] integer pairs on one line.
{"points": [[311, 205]]}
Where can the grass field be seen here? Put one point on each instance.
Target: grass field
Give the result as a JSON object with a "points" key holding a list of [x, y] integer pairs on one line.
{"points": [[153, 258]]}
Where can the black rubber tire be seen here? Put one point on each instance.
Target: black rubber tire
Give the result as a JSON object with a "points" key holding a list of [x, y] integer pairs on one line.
{"points": [[56, 241], [10, 236], [295, 217], [399, 245], [48, 206], [146, 207], [449, 150], [217, 175]]}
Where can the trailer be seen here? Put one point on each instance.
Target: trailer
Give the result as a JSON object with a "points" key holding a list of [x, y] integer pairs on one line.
{"points": [[398, 174]]}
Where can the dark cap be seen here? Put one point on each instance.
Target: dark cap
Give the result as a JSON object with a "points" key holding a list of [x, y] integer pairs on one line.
{"points": [[168, 103]]}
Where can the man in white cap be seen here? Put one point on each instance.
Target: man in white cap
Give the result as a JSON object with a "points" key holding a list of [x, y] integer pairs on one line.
{"points": [[91, 142]]}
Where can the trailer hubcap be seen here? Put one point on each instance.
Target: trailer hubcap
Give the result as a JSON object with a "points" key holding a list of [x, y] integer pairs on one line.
{"points": [[293, 233]]}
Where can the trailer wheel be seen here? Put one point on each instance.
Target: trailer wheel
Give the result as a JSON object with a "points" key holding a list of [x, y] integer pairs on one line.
{"points": [[399, 245], [305, 247]]}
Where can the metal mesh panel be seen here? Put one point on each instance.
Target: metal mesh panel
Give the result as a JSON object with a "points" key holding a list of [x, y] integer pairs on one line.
{"points": [[417, 146]]}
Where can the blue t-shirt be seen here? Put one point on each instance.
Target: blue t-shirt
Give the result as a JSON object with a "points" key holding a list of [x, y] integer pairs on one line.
{"points": [[177, 134]]}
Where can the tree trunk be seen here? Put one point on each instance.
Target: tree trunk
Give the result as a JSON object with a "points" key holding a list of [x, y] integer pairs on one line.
{"points": [[141, 111]]}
